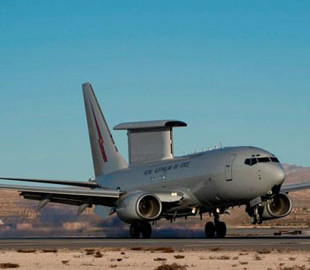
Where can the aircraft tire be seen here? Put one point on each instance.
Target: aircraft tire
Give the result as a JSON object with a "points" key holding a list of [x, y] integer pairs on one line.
{"points": [[209, 230], [146, 230], [134, 230], [220, 228]]}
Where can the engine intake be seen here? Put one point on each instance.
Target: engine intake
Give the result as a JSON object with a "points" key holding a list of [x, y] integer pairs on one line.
{"points": [[281, 206], [139, 206]]}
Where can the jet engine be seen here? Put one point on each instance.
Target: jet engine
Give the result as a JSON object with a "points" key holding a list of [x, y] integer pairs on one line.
{"points": [[280, 207], [139, 206]]}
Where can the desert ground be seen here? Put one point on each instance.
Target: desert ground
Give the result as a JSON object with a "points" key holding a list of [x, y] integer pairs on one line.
{"points": [[164, 258]]}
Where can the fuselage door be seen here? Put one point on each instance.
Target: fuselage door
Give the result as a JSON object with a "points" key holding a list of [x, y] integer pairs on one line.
{"points": [[228, 167]]}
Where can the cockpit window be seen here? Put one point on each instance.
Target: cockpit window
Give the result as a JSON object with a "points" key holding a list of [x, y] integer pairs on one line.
{"points": [[274, 159], [250, 161], [264, 159]]}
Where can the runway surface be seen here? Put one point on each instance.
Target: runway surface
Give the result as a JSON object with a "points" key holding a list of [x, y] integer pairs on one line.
{"points": [[263, 240]]}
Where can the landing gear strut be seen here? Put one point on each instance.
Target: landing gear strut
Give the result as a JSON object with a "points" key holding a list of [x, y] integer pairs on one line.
{"points": [[143, 228], [218, 228], [255, 214]]}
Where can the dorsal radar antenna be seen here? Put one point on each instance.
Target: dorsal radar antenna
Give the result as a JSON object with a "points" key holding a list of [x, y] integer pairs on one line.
{"points": [[150, 141]]}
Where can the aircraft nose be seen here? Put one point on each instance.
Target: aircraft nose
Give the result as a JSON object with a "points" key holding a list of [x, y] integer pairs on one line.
{"points": [[278, 175]]}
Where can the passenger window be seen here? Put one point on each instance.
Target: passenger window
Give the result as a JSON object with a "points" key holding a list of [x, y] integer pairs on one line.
{"points": [[274, 159], [264, 159]]}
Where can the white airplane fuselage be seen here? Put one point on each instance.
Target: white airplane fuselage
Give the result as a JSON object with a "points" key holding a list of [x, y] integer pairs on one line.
{"points": [[208, 179]]}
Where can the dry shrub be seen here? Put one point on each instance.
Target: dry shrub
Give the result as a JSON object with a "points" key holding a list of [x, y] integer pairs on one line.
{"points": [[173, 266], [224, 257], [292, 259], [161, 249], [65, 262], [257, 258], [264, 251], [136, 248], [234, 265], [90, 251], [243, 253], [26, 250], [160, 259], [123, 253], [295, 267], [98, 255], [119, 259], [179, 256], [235, 258], [113, 266], [9, 265], [49, 250], [243, 263], [216, 249]]}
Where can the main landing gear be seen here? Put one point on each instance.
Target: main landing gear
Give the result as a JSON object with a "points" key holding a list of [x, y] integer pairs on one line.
{"points": [[216, 228], [143, 228]]}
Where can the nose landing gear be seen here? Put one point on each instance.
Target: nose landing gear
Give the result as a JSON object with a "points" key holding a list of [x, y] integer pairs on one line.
{"points": [[255, 214], [143, 228], [218, 228]]}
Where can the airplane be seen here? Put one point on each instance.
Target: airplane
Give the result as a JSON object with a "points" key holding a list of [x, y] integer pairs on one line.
{"points": [[157, 185]]}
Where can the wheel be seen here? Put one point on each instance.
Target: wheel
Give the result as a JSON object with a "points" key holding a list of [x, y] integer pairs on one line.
{"points": [[210, 230], [146, 230], [253, 220], [259, 219], [220, 228], [134, 230]]}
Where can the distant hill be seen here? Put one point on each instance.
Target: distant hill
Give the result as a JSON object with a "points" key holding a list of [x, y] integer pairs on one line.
{"points": [[295, 174]]}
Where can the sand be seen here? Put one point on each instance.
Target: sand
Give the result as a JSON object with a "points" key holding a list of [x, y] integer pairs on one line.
{"points": [[154, 258]]}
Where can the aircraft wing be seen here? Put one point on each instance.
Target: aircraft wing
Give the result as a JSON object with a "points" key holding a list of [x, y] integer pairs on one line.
{"points": [[294, 187], [58, 182], [72, 196]]}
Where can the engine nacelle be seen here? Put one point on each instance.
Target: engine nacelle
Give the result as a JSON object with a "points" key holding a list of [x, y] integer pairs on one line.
{"points": [[281, 206], [139, 206]]}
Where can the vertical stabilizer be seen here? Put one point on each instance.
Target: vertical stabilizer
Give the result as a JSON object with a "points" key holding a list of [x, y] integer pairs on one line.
{"points": [[106, 157]]}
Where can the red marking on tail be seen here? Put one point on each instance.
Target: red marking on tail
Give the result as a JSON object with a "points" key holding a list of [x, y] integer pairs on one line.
{"points": [[100, 140]]}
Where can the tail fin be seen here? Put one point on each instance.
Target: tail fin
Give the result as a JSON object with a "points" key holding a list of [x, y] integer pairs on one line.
{"points": [[106, 157]]}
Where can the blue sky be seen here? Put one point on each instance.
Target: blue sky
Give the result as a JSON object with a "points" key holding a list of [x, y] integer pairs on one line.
{"points": [[236, 71]]}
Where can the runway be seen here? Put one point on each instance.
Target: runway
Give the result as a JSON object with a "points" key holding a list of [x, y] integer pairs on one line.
{"points": [[230, 243]]}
